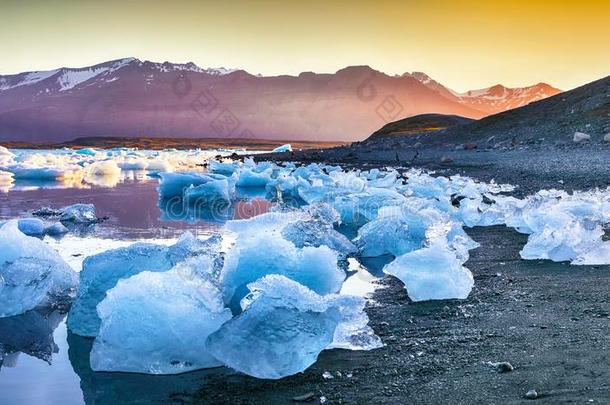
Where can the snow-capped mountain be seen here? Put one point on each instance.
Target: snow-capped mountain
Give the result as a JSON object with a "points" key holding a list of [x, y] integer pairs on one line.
{"points": [[130, 97], [490, 100]]}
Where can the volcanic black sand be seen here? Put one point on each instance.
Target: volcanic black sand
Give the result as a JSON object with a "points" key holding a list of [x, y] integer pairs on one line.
{"points": [[550, 321]]}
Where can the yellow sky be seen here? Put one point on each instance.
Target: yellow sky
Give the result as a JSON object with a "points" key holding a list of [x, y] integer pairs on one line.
{"points": [[464, 44]]}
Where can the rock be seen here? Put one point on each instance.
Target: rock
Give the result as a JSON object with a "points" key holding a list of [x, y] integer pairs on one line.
{"points": [[310, 396], [446, 159], [504, 367], [531, 394], [607, 137], [581, 137], [470, 146]]}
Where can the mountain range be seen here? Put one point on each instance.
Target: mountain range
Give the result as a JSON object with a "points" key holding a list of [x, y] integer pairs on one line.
{"points": [[130, 97]]}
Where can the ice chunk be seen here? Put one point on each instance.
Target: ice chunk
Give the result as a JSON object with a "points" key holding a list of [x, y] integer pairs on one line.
{"points": [[215, 192], [5, 152], [567, 242], [86, 151], [174, 184], [56, 229], [78, 213], [283, 148], [159, 166], [104, 168], [254, 256], [157, 323], [252, 178], [24, 283], [282, 329], [432, 273], [32, 227], [360, 208], [221, 168], [101, 272], [6, 178], [15, 245], [133, 163]]}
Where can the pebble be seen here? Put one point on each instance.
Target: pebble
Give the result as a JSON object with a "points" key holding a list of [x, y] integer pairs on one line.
{"points": [[504, 367], [305, 397], [531, 394]]}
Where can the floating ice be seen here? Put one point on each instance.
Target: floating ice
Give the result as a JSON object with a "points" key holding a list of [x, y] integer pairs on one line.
{"points": [[157, 323], [251, 178], [32, 226], [255, 256], [282, 329], [5, 152], [6, 178], [104, 168], [33, 257], [283, 148], [24, 283], [222, 168], [86, 151], [174, 184], [211, 193], [432, 273], [78, 213], [102, 272]]}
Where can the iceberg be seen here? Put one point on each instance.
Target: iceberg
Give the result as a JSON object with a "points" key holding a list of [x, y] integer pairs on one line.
{"points": [[6, 178], [102, 272], [254, 256], [32, 226], [211, 193], [20, 253], [157, 323], [432, 273], [104, 168], [24, 283], [252, 178], [226, 169], [283, 148], [283, 328], [174, 184], [78, 213], [86, 151], [6, 152]]}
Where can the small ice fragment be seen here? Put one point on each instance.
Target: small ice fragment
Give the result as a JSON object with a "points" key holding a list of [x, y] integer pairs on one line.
{"points": [[32, 227], [432, 273], [283, 148], [78, 213]]}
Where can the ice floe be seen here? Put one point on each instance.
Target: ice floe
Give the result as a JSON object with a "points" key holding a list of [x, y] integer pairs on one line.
{"points": [[32, 274]]}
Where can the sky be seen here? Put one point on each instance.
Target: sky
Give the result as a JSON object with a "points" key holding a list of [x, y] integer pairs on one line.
{"points": [[464, 44]]}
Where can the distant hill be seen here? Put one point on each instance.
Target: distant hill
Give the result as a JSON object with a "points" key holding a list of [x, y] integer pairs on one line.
{"points": [[134, 98], [552, 120], [420, 124]]}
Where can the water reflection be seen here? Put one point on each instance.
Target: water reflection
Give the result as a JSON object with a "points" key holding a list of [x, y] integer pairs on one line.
{"points": [[121, 388], [30, 333]]}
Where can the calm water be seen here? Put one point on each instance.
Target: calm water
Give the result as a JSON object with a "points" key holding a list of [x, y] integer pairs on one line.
{"points": [[41, 362]]}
